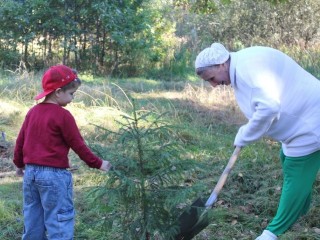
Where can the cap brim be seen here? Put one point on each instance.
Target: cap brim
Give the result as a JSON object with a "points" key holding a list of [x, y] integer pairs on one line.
{"points": [[42, 95]]}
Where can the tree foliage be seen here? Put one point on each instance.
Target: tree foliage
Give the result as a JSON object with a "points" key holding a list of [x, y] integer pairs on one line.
{"points": [[146, 37], [106, 36], [149, 178], [245, 23]]}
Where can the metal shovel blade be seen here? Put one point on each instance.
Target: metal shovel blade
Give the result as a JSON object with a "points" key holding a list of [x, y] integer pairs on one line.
{"points": [[195, 218]]}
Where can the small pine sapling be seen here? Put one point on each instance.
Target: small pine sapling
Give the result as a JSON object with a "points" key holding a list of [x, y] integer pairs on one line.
{"points": [[150, 179]]}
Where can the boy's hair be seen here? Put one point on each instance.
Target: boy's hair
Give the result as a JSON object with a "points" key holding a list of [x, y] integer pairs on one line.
{"points": [[74, 84]]}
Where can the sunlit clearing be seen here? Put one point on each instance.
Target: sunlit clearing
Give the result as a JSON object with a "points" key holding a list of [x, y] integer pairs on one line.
{"points": [[204, 100]]}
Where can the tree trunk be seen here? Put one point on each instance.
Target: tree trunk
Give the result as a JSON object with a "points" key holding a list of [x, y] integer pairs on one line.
{"points": [[50, 48], [97, 43], [64, 50], [25, 54], [103, 48], [76, 57]]}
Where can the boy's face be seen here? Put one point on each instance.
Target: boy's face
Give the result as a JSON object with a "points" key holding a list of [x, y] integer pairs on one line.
{"points": [[65, 97]]}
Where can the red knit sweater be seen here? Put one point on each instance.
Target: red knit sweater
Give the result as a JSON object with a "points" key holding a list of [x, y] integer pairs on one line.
{"points": [[46, 136]]}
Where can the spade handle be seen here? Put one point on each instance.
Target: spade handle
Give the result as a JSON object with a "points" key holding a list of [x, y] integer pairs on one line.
{"points": [[214, 195]]}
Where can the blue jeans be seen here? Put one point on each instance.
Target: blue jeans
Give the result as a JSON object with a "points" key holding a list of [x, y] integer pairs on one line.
{"points": [[48, 203]]}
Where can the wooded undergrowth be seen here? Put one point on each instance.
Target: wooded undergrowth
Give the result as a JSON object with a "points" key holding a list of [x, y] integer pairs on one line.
{"points": [[152, 38]]}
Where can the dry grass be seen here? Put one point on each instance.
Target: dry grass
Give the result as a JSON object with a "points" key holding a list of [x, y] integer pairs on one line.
{"points": [[208, 120]]}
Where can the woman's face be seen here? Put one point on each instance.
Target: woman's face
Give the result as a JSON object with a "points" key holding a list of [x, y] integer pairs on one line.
{"points": [[217, 75]]}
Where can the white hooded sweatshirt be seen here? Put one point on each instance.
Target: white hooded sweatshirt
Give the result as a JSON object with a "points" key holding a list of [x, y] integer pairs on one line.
{"points": [[279, 98]]}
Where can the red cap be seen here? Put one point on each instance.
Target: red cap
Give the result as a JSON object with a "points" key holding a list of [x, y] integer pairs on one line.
{"points": [[55, 77]]}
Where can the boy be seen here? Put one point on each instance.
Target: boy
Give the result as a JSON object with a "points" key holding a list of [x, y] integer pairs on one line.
{"points": [[41, 156]]}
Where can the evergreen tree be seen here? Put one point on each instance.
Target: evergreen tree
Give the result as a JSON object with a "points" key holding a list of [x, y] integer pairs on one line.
{"points": [[149, 179]]}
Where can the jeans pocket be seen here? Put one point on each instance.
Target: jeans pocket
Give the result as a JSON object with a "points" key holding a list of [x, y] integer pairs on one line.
{"points": [[27, 193], [49, 193], [66, 216], [66, 221]]}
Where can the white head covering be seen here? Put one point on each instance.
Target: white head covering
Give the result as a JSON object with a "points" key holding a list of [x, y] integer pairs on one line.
{"points": [[214, 55]]}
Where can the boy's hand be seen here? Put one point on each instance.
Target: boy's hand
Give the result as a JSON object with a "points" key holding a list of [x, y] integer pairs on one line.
{"points": [[19, 172], [106, 165]]}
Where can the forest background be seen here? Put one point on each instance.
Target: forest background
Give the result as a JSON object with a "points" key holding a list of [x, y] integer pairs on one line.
{"points": [[152, 38], [142, 107]]}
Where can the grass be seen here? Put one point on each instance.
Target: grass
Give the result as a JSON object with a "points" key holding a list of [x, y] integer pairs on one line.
{"points": [[208, 120]]}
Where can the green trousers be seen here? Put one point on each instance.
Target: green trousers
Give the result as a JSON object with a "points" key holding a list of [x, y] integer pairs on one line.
{"points": [[299, 175]]}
